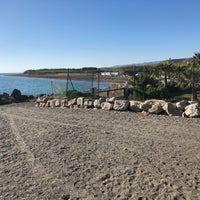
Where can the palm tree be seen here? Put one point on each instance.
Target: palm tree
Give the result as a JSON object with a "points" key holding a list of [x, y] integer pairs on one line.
{"points": [[163, 72], [195, 75]]}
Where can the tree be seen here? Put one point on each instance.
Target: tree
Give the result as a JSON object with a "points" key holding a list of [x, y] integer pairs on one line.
{"points": [[147, 87], [195, 75]]}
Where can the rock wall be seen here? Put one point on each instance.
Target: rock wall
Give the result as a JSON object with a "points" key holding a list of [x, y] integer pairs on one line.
{"points": [[183, 108]]}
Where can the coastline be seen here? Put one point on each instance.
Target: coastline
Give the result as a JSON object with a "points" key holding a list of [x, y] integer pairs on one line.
{"points": [[76, 76]]}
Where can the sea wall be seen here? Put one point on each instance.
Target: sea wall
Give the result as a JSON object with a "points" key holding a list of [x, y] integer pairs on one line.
{"points": [[182, 108]]}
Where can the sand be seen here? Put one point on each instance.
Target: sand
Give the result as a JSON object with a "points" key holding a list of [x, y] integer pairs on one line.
{"points": [[94, 154]]}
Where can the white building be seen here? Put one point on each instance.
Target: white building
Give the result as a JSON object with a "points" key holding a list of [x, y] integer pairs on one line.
{"points": [[109, 73]]}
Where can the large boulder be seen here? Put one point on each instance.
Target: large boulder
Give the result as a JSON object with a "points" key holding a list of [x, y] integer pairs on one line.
{"points": [[72, 102], [121, 105], [57, 103], [97, 102], [192, 110], [106, 106], [80, 101], [177, 113], [169, 108], [111, 100], [41, 101], [182, 104], [135, 106], [48, 103], [145, 106], [155, 109], [16, 94], [88, 103], [5, 99], [53, 103], [64, 102]]}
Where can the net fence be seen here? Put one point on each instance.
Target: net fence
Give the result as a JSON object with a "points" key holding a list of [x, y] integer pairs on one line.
{"points": [[58, 88]]}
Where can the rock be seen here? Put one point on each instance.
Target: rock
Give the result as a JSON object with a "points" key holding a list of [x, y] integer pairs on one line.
{"points": [[135, 106], [111, 100], [24, 98], [155, 101], [106, 106], [18, 97], [71, 102], [169, 108], [5, 99], [42, 101], [64, 102], [149, 103], [42, 104], [48, 103], [155, 109], [80, 101], [52, 103], [88, 103], [57, 102], [182, 104], [38, 100], [121, 105], [16, 94], [176, 113], [97, 102], [192, 110], [145, 106], [184, 115]]}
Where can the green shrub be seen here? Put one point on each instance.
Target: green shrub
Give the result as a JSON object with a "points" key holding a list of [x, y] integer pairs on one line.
{"points": [[75, 94]]}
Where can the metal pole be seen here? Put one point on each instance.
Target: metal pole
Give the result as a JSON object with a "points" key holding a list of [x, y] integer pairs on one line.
{"points": [[67, 81], [98, 80], [92, 78]]}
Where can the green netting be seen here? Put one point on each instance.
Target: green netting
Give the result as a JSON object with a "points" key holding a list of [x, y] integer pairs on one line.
{"points": [[58, 88]]}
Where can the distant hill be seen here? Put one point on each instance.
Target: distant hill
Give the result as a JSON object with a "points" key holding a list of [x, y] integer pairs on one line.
{"points": [[112, 68], [178, 60]]}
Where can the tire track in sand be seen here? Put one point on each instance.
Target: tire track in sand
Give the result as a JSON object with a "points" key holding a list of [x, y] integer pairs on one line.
{"points": [[36, 167], [38, 171]]}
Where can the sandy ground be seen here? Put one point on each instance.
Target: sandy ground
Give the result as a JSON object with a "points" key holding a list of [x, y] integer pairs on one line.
{"points": [[80, 77], [86, 154]]}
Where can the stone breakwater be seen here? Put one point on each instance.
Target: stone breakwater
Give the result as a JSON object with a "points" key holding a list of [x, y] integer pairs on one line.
{"points": [[15, 97], [183, 108]]}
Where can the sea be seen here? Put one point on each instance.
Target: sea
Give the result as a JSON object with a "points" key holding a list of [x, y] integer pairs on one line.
{"points": [[34, 86]]}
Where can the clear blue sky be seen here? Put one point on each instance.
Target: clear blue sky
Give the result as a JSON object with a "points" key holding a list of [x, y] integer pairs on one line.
{"points": [[95, 33]]}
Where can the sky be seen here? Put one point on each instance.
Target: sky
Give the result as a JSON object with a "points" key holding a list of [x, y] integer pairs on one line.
{"points": [[37, 34]]}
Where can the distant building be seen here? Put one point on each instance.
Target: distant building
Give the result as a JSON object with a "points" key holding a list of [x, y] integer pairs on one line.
{"points": [[109, 73], [139, 74]]}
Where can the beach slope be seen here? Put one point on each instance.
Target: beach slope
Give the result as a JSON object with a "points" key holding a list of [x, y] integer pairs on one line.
{"points": [[95, 154]]}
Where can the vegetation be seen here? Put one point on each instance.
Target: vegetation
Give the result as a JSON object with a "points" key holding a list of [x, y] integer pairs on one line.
{"points": [[75, 94], [168, 80], [60, 71]]}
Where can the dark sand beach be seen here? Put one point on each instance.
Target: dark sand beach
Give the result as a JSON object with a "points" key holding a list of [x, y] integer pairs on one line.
{"points": [[62, 153]]}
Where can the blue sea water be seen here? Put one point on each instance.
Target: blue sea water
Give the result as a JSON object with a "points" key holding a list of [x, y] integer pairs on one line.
{"points": [[34, 86]]}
